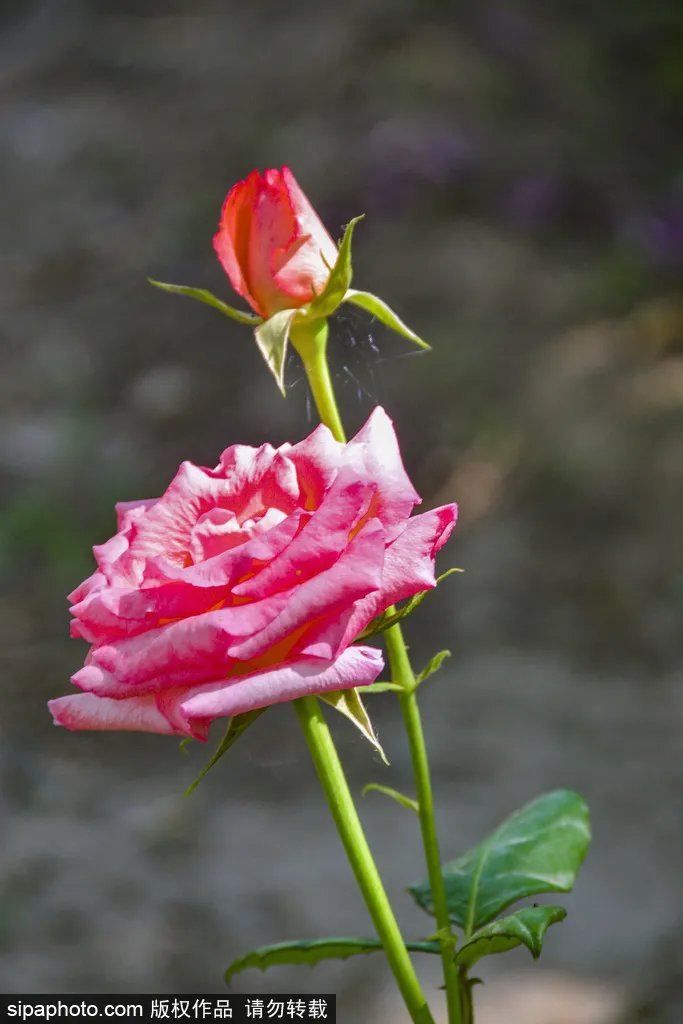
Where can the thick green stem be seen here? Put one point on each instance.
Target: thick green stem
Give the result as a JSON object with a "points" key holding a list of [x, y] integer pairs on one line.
{"points": [[310, 341], [335, 787], [402, 672]]}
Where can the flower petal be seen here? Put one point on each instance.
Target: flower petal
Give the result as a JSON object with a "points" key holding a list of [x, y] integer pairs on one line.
{"points": [[86, 711], [231, 241], [356, 666]]}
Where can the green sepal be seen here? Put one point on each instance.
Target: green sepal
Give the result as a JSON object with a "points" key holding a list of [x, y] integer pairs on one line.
{"points": [[433, 665], [272, 336], [380, 688], [202, 295], [349, 704], [387, 619], [525, 927], [384, 313], [538, 849], [312, 951], [393, 794], [339, 281], [236, 726]]}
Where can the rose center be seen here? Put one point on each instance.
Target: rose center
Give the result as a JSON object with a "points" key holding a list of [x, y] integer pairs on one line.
{"points": [[221, 529]]}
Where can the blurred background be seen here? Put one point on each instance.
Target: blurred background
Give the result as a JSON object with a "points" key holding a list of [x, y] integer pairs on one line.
{"points": [[521, 171]]}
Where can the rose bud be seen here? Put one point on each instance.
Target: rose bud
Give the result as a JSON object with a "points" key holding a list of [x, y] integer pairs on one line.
{"points": [[272, 244]]}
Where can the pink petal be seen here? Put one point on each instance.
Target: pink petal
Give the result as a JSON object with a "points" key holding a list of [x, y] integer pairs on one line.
{"points": [[374, 454], [408, 570], [231, 241], [356, 666], [356, 572], [172, 592], [317, 459], [273, 228], [319, 544], [185, 652], [86, 711]]}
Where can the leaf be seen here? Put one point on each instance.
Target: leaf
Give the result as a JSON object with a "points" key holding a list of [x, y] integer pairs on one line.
{"points": [[312, 951], [525, 927], [391, 617], [202, 295], [538, 849], [349, 704], [394, 794], [384, 313], [340, 277], [433, 665], [272, 336], [236, 726]]}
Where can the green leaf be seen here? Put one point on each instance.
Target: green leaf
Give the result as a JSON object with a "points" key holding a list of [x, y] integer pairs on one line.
{"points": [[312, 951], [391, 617], [525, 927], [202, 295], [272, 336], [433, 665], [384, 313], [348, 703], [394, 794], [538, 849], [340, 277], [236, 726]]}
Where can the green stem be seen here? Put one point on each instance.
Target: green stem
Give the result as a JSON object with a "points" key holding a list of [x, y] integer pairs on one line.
{"points": [[466, 991], [335, 787], [310, 341], [402, 672]]}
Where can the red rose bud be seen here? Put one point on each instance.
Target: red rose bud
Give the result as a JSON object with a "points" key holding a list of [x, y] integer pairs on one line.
{"points": [[272, 244], [280, 258]]}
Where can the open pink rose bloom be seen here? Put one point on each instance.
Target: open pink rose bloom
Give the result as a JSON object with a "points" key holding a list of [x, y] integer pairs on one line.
{"points": [[246, 585], [272, 244]]}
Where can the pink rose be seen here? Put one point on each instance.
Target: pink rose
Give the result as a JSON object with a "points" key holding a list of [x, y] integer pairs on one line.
{"points": [[272, 244], [246, 585]]}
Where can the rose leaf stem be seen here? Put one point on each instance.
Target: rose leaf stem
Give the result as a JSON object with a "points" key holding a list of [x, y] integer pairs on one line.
{"points": [[402, 673], [336, 789]]}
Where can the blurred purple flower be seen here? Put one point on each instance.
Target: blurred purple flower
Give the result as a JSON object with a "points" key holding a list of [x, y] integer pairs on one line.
{"points": [[534, 201], [507, 29], [403, 157], [658, 233]]}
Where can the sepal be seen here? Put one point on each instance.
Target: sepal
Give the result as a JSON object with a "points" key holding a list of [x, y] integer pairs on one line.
{"points": [[339, 281], [384, 313], [236, 726], [202, 295], [351, 706], [389, 618], [272, 336]]}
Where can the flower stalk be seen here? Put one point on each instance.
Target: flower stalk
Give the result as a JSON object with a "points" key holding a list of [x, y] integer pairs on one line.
{"points": [[340, 801], [402, 673]]}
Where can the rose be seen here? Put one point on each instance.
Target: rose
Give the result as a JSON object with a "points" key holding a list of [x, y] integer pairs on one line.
{"points": [[246, 585], [272, 244]]}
